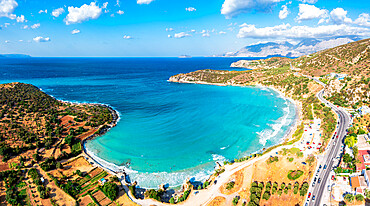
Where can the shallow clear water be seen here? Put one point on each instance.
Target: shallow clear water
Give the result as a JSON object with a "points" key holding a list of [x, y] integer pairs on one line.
{"points": [[168, 131]]}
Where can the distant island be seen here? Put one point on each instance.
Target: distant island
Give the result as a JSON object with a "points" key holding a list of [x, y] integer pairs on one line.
{"points": [[14, 56]]}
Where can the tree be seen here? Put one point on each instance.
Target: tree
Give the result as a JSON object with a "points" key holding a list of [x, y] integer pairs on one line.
{"points": [[310, 159], [359, 197], [349, 197], [205, 184], [235, 200], [172, 200], [350, 141], [355, 151], [347, 158], [279, 192], [367, 194], [111, 190], [266, 195]]}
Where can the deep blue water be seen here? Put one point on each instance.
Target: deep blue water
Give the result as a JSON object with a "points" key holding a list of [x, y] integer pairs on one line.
{"points": [[168, 131]]}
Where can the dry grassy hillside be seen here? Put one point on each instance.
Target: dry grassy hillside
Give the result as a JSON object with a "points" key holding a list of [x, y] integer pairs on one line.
{"points": [[352, 59]]}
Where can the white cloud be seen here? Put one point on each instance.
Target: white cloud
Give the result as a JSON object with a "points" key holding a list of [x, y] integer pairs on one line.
{"points": [[6, 25], [75, 31], [7, 8], [283, 12], [117, 3], [308, 12], [43, 11], [7, 41], [83, 13], [190, 9], [20, 40], [21, 19], [144, 1], [232, 8], [120, 12], [222, 32], [35, 26], [169, 36], [309, 1], [127, 37], [41, 39], [287, 31], [339, 16], [181, 35], [192, 31], [363, 20], [206, 35], [25, 27], [105, 5], [57, 12], [169, 29]]}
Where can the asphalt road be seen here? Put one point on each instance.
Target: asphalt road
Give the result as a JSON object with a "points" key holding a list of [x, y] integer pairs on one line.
{"points": [[332, 152]]}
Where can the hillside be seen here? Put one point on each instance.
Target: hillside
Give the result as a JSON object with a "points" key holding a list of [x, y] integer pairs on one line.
{"points": [[37, 131], [352, 59]]}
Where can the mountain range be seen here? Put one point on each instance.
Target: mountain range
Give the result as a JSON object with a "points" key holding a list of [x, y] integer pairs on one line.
{"points": [[287, 49]]}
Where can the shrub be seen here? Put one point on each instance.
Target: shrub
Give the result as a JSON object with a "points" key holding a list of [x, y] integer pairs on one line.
{"points": [[349, 197], [359, 197], [230, 185], [294, 174], [235, 200]]}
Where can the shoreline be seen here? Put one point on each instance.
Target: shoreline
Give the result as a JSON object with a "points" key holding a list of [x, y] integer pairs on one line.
{"points": [[121, 170]]}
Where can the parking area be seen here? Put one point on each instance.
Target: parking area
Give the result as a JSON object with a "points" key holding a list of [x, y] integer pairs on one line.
{"points": [[311, 138]]}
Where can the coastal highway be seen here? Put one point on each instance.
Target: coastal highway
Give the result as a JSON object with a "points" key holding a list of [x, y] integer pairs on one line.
{"points": [[332, 152]]}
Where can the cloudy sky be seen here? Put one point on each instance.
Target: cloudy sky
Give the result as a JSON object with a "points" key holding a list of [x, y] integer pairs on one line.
{"points": [[170, 27]]}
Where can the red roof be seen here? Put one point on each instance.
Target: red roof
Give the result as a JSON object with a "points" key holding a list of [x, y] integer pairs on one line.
{"points": [[361, 166]]}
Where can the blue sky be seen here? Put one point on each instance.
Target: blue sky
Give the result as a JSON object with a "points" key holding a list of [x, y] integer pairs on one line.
{"points": [[170, 28]]}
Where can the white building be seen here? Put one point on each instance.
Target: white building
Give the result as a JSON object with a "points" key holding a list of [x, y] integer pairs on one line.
{"points": [[364, 110]]}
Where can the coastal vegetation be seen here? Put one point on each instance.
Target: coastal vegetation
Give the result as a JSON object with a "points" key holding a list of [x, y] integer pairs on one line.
{"points": [[37, 132]]}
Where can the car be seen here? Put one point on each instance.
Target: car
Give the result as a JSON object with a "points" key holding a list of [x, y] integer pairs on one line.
{"points": [[324, 166], [309, 195], [313, 198], [318, 181], [314, 180], [332, 177], [320, 167]]}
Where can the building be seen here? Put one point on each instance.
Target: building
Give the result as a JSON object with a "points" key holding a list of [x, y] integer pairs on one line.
{"points": [[338, 76], [364, 110], [367, 177], [358, 184], [102, 181]]}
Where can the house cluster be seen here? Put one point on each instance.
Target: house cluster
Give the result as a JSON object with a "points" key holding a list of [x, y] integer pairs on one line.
{"points": [[364, 110], [337, 75], [361, 180]]}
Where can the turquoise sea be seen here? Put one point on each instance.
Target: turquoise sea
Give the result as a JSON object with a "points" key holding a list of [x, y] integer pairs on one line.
{"points": [[167, 132]]}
